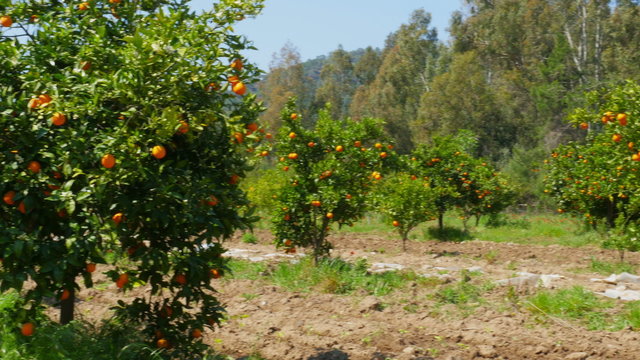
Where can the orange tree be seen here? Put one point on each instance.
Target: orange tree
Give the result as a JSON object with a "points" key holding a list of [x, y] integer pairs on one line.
{"points": [[598, 178], [124, 127], [464, 182], [406, 201], [332, 168]]}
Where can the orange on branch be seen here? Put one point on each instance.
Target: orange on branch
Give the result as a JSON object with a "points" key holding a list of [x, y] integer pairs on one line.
{"points": [[108, 161], [8, 197], [58, 119], [159, 152], [6, 21]]}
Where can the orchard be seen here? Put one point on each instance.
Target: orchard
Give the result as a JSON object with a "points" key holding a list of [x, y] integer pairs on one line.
{"points": [[124, 132]]}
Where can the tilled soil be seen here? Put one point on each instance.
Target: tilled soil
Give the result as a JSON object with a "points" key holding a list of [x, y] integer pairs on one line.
{"points": [[408, 324]]}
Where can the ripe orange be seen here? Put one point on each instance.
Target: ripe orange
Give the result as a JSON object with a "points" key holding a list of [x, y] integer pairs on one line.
{"points": [[22, 208], [292, 135], [396, 223], [65, 295], [62, 213], [635, 157], [357, 143], [117, 218], [630, 145], [239, 137], [239, 88], [288, 243], [8, 197], [108, 161], [196, 333], [34, 103], [234, 179], [329, 215], [268, 136], [233, 79], [91, 267], [264, 153], [44, 99], [85, 65], [311, 144], [215, 273], [316, 203], [294, 116], [211, 86], [622, 119], [27, 329], [58, 119], [252, 127], [378, 146], [115, 1], [584, 126], [83, 6], [180, 279], [159, 152], [123, 279], [184, 127], [34, 167], [236, 64], [162, 343], [348, 196], [213, 201], [383, 154], [339, 148], [292, 156], [285, 168], [6, 21], [616, 137]]}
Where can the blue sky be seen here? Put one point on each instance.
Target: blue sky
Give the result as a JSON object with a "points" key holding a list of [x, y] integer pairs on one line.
{"points": [[318, 27]]}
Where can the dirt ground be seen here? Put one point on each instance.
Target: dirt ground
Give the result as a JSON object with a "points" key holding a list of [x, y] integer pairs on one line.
{"points": [[279, 324]]}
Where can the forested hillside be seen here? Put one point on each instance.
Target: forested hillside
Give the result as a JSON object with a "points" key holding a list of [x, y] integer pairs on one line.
{"points": [[511, 72]]}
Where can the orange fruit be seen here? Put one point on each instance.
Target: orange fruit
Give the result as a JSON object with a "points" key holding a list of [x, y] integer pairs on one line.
{"points": [[339, 148], [57, 175], [348, 196], [34, 103], [584, 126], [264, 153], [294, 116], [83, 6], [6, 21], [233, 79], [239, 137], [27, 329], [8, 197], [236, 64], [58, 119], [635, 157], [108, 161], [268, 136], [211, 86], [213, 201], [117, 218], [115, 1], [316, 203], [292, 135], [286, 168], [22, 208], [357, 143], [162, 343], [630, 145], [252, 127], [196, 333], [616, 137], [396, 223], [622, 119], [123, 279], [159, 152], [234, 179], [180, 279], [378, 146], [184, 127], [91, 267], [239, 88], [288, 243], [330, 215], [44, 99], [292, 156], [65, 294], [62, 213], [383, 154], [34, 18], [311, 144], [215, 273], [34, 167], [85, 65]]}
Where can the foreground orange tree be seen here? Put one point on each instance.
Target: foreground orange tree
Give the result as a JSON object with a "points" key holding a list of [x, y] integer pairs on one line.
{"points": [[332, 169], [124, 130], [598, 178]]}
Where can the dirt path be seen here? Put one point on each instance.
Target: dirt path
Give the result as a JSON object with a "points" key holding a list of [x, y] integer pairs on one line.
{"points": [[279, 324]]}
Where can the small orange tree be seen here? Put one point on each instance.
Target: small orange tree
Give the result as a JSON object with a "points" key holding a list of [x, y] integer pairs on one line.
{"points": [[597, 179], [123, 132], [464, 182], [406, 201], [333, 167]]}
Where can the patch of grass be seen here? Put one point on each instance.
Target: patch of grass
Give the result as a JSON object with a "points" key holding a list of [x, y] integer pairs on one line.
{"points": [[461, 293], [448, 234], [242, 269], [608, 268], [249, 238], [575, 303]]}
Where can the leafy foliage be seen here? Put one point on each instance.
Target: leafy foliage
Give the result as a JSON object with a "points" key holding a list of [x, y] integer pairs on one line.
{"points": [[123, 132]]}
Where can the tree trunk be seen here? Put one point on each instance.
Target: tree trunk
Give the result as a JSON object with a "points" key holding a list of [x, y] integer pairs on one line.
{"points": [[477, 220], [441, 221], [67, 307]]}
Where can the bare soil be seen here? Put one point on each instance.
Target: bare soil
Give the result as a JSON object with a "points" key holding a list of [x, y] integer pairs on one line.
{"points": [[408, 324]]}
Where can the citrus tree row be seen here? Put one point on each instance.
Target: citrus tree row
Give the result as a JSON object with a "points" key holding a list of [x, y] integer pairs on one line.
{"points": [[125, 128], [341, 169], [597, 178]]}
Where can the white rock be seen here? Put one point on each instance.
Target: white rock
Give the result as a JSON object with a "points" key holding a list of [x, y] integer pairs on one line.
{"points": [[621, 293]]}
